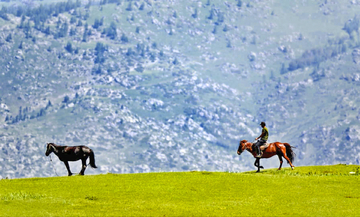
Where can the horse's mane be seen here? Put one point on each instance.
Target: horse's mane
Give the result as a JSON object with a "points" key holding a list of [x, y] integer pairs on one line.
{"points": [[53, 144]]}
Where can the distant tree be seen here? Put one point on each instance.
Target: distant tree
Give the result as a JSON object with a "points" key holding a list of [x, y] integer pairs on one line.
{"points": [[142, 6], [152, 56], [99, 52], [69, 47], [21, 45], [239, 3], [58, 23], [124, 38], [98, 70], [86, 16], [79, 23], [212, 14], [228, 45], [85, 36], [27, 29], [301, 37], [253, 41], [49, 104], [88, 4], [21, 25], [214, 30], [8, 38], [221, 18], [47, 30], [72, 31], [343, 48], [3, 13], [137, 30], [20, 11], [132, 18], [62, 30], [139, 68], [154, 45], [129, 7], [78, 3], [111, 31], [66, 99], [42, 112], [130, 52], [175, 61], [195, 14], [97, 23], [283, 70], [352, 26], [72, 20]]}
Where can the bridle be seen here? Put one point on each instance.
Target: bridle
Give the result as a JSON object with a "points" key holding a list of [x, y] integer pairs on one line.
{"points": [[51, 162], [241, 150]]}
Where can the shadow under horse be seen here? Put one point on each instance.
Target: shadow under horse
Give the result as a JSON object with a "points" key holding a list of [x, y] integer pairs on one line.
{"points": [[72, 153], [277, 148]]}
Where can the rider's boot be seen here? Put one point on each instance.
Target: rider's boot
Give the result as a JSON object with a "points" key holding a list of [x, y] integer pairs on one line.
{"points": [[258, 151]]}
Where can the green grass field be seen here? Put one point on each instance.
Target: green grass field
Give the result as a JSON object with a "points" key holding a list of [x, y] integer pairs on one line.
{"points": [[305, 191]]}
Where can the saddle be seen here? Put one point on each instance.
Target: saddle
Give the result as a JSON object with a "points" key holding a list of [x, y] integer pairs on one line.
{"points": [[264, 147]]}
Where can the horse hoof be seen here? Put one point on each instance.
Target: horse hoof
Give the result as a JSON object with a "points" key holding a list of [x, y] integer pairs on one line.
{"points": [[292, 168]]}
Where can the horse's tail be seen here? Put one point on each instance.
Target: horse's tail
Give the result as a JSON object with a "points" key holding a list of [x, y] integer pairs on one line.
{"points": [[92, 159], [289, 152]]}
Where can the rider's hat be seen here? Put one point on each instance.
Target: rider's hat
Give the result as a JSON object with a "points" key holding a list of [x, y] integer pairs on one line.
{"points": [[263, 123]]}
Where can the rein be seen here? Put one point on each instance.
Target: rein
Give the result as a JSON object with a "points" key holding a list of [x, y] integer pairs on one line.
{"points": [[52, 164]]}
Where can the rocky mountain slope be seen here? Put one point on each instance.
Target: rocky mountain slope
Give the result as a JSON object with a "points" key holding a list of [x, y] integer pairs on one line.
{"points": [[175, 85]]}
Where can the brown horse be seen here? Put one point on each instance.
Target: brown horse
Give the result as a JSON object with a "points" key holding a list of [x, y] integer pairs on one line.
{"points": [[276, 148], [72, 153]]}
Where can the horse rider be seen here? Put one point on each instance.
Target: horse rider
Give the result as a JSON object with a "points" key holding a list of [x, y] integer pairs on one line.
{"points": [[264, 137]]}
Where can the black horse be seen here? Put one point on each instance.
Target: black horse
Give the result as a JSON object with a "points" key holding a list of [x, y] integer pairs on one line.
{"points": [[72, 153]]}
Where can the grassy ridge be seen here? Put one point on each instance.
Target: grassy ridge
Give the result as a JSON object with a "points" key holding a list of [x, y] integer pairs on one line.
{"points": [[305, 191]]}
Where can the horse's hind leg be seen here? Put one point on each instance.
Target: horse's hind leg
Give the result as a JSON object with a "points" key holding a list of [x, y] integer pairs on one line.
{"points": [[281, 161], [83, 166], [287, 159], [68, 168]]}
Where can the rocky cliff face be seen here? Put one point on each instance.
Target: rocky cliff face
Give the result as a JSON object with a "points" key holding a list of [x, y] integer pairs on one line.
{"points": [[174, 86]]}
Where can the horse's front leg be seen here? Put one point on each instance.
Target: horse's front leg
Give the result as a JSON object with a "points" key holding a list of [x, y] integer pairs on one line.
{"points": [[68, 168], [83, 166], [257, 164]]}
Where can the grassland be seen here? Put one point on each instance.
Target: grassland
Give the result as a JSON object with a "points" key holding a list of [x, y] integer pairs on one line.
{"points": [[305, 191]]}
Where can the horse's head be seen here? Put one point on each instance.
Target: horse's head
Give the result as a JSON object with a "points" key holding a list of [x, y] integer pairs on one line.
{"points": [[242, 147], [49, 148]]}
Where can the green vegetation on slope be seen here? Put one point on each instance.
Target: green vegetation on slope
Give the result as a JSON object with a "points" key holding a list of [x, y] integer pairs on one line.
{"points": [[305, 191]]}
